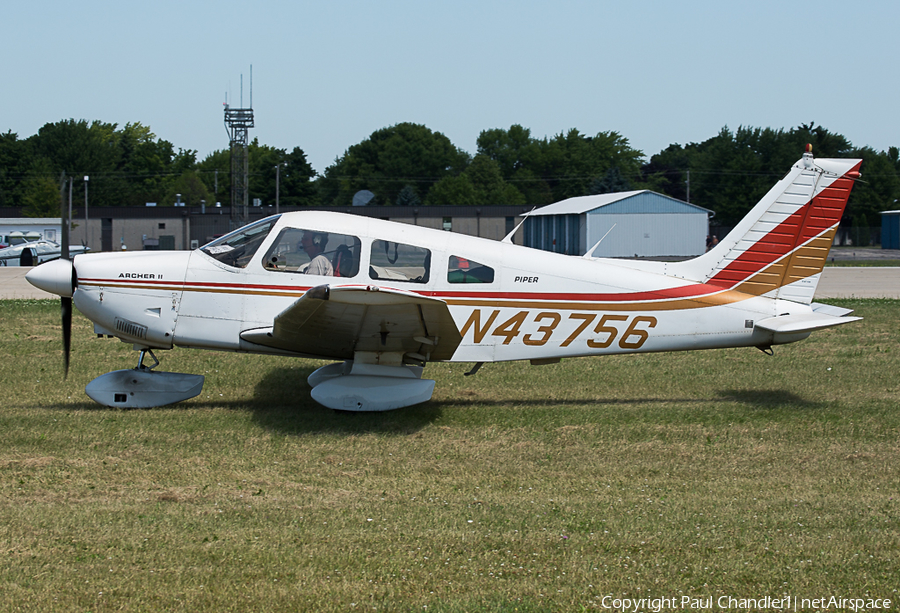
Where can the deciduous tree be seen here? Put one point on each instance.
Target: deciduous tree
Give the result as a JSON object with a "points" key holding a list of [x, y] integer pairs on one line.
{"points": [[390, 159]]}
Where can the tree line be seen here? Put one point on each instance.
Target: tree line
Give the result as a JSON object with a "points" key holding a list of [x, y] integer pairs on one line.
{"points": [[410, 164]]}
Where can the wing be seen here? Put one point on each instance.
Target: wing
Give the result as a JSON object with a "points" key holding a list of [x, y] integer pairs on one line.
{"points": [[337, 322]]}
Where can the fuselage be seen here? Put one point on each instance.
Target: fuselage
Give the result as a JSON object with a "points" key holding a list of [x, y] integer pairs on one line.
{"points": [[509, 302]]}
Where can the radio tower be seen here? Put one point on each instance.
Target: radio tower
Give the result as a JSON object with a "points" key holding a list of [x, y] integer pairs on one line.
{"points": [[237, 123]]}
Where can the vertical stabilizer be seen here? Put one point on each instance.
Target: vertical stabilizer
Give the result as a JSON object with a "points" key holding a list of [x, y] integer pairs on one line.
{"points": [[780, 247]]}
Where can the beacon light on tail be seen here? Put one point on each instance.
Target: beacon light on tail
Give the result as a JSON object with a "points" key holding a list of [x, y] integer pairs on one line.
{"points": [[383, 299]]}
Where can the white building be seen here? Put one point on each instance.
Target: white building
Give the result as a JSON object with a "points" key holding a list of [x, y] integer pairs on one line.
{"points": [[636, 224], [20, 229]]}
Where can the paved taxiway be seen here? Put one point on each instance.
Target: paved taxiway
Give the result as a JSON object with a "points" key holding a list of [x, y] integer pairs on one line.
{"points": [[873, 282]]}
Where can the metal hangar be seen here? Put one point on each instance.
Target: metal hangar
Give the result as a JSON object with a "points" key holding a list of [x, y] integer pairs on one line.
{"points": [[631, 224]]}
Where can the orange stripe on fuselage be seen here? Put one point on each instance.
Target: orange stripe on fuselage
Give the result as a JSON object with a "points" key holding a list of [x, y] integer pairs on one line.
{"points": [[691, 296]]}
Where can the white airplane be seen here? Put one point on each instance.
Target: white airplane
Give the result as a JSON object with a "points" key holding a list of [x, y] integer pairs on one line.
{"points": [[36, 252], [383, 299]]}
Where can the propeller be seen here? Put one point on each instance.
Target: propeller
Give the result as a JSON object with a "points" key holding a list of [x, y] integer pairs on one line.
{"points": [[58, 277], [65, 302], [66, 306]]}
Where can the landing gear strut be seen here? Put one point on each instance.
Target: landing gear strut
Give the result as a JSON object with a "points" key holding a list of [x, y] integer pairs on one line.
{"points": [[141, 365]]}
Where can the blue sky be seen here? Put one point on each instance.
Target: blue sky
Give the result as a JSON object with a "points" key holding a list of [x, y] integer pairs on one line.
{"points": [[327, 75]]}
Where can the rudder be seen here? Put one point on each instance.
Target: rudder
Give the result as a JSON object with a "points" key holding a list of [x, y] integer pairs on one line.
{"points": [[781, 246]]}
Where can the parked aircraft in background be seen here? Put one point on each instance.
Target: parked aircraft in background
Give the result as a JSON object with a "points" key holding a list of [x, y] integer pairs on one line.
{"points": [[383, 299], [35, 252]]}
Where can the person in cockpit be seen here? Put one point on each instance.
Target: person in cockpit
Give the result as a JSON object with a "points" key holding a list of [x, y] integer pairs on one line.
{"points": [[313, 243]]}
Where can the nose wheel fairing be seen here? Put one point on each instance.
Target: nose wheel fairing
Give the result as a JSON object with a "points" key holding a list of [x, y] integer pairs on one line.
{"points": [[142, 387]]}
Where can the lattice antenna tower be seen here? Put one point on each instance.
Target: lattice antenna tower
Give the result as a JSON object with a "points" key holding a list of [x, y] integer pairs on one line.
{"points": [[238, 122]]}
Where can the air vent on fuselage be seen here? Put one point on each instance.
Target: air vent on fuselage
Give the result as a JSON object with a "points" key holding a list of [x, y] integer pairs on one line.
{"points": [[129, 328]]}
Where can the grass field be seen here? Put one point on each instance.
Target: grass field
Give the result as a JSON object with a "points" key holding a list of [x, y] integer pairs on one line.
{"points": [[707, 474]]}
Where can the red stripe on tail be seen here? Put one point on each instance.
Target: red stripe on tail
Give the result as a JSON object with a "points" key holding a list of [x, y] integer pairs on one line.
{"points": [[811, 220]]}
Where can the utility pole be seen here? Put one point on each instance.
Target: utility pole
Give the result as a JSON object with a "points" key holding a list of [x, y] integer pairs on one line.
{"points": [[688, 186], [64, 215], [278, 185], [87, 227], [71, 181]]}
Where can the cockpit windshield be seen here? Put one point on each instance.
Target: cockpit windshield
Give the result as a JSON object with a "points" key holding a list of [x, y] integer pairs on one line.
{"points": [[237, 248]]}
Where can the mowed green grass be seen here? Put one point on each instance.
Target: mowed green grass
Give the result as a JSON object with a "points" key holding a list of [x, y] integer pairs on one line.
{"points": [[522, 488]]}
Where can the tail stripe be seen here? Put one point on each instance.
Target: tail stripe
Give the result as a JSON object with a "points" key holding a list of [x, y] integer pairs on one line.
{"points": [[798, 239]]}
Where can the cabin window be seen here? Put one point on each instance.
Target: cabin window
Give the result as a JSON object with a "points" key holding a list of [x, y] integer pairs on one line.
{"points": [[238, 247], [312, 252], [464, 270], [399, 262]]}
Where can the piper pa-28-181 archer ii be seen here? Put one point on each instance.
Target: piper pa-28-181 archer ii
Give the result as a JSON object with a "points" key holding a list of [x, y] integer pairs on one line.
{"points": [[385, 298]]}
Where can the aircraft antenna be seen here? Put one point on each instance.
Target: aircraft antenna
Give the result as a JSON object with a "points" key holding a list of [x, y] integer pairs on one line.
{"points": [[509, 237], [237, 123], [587, 255]]}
